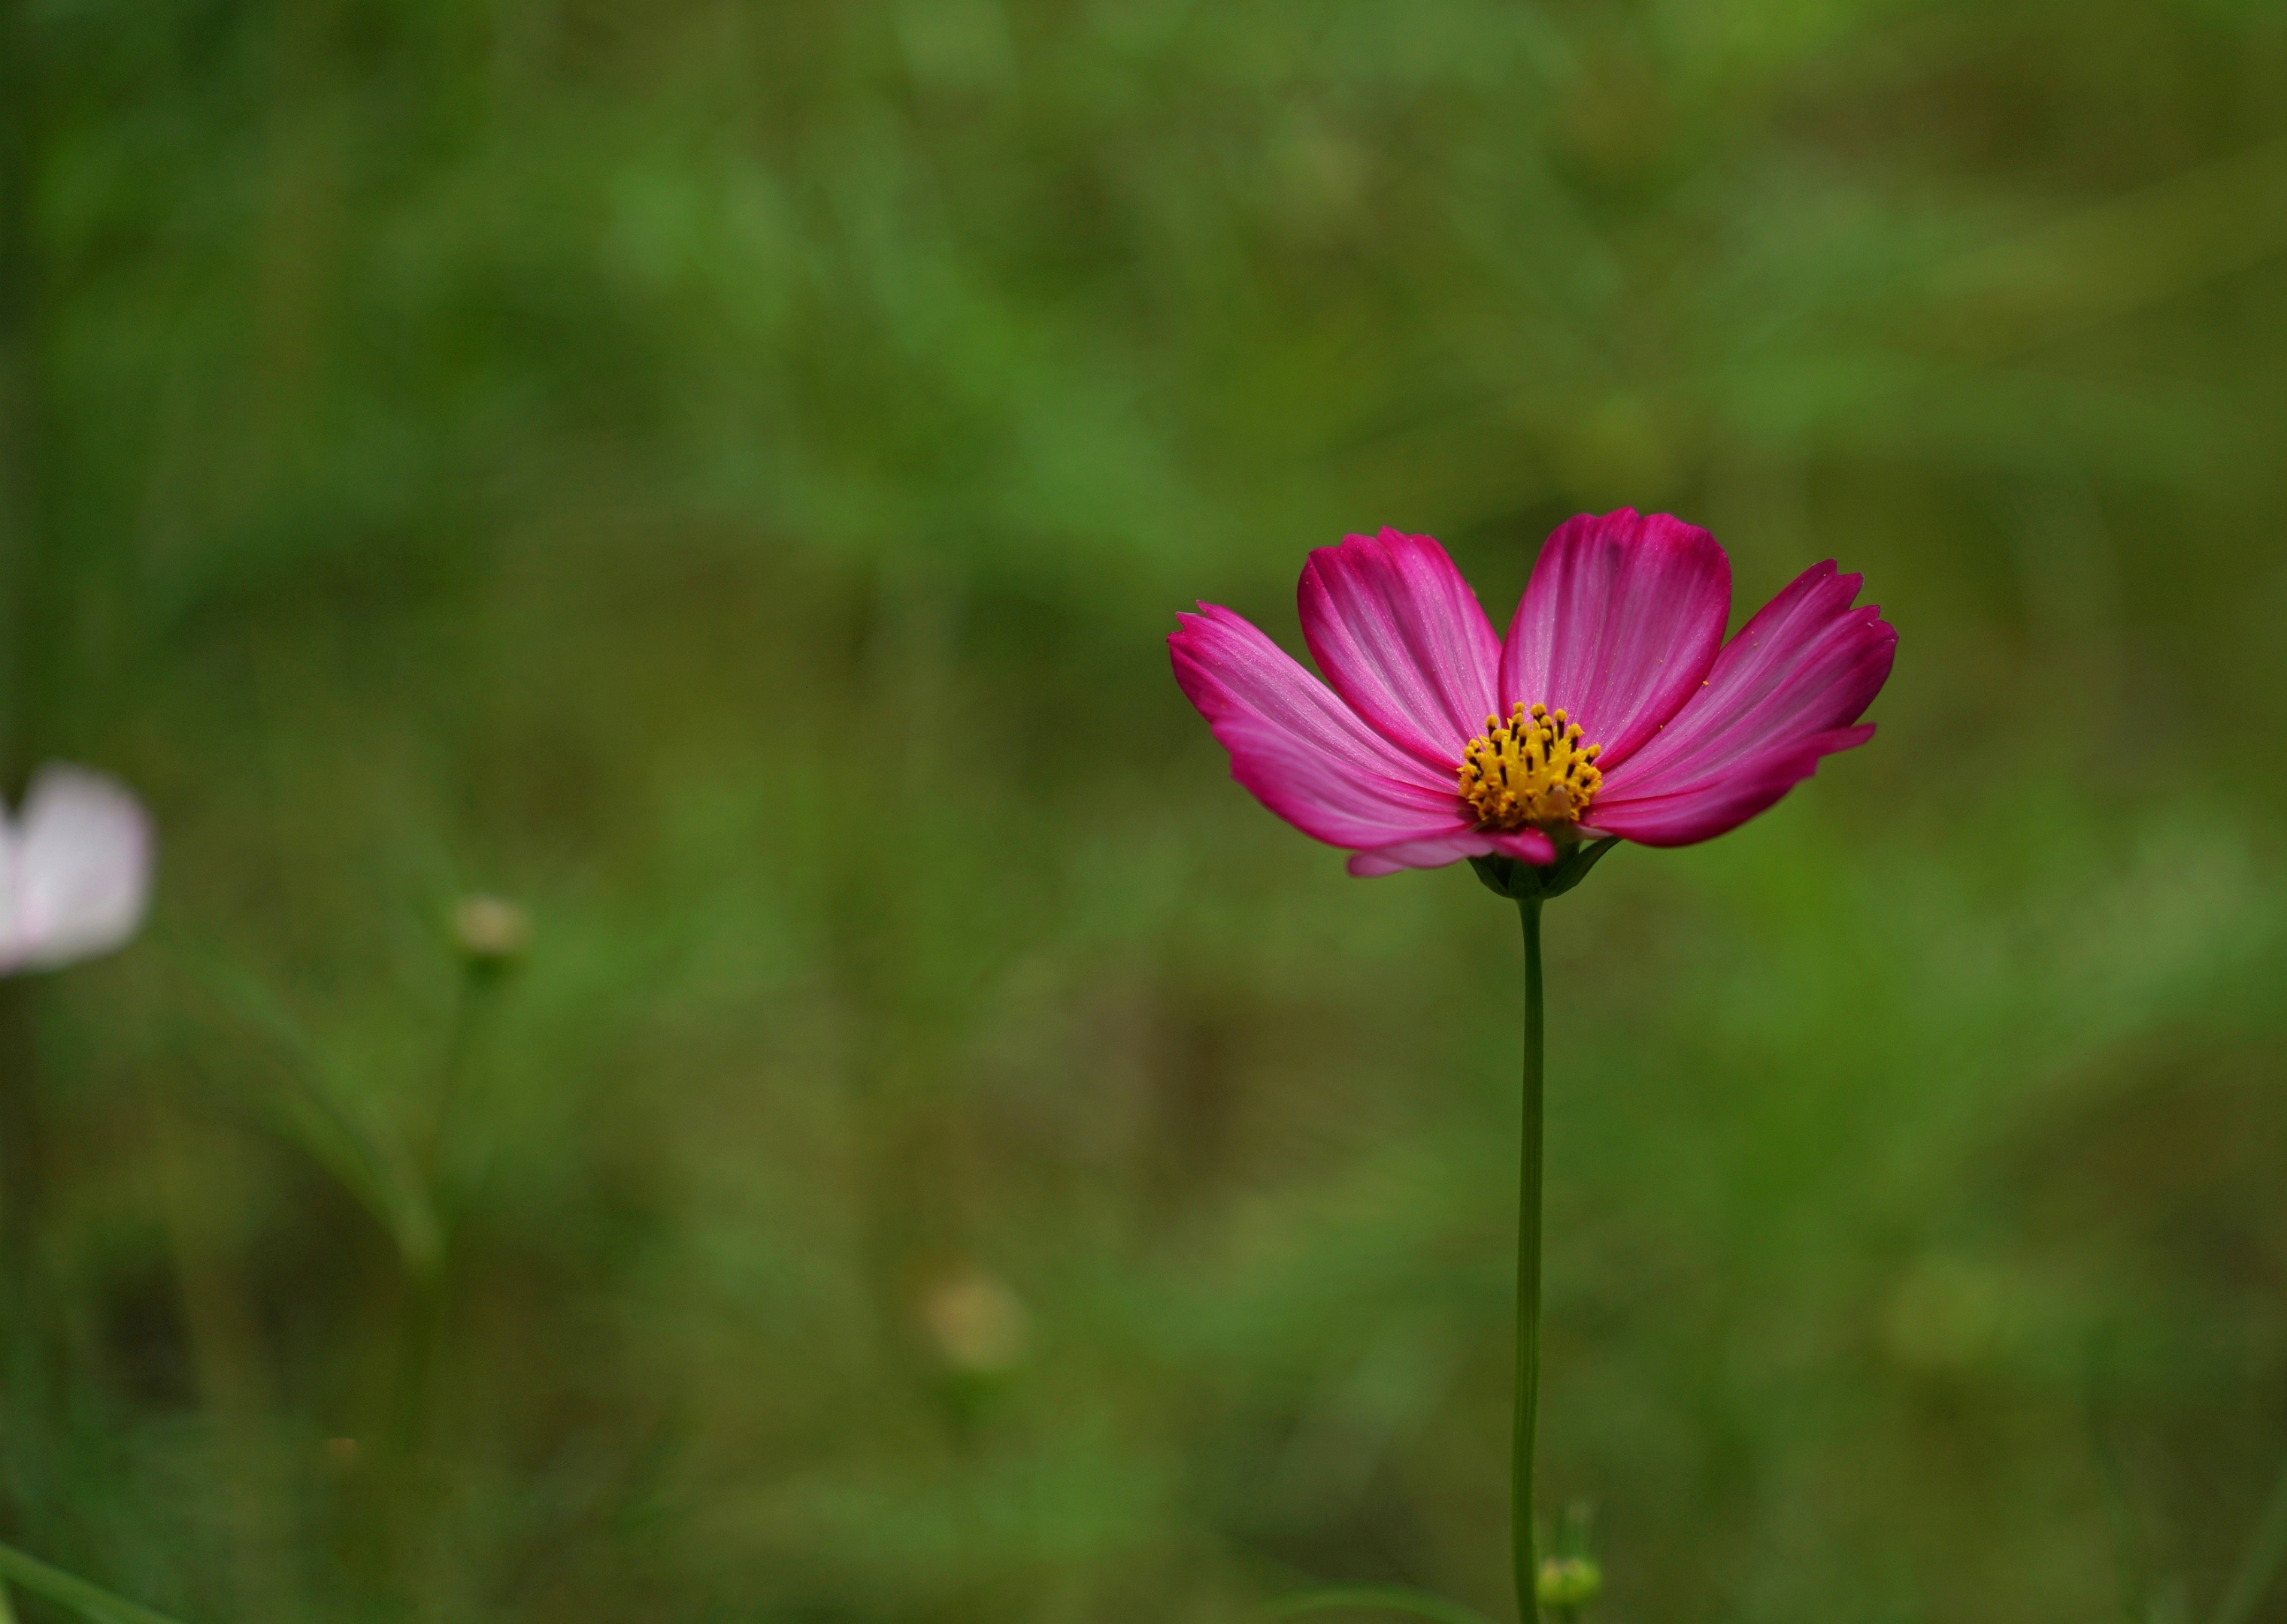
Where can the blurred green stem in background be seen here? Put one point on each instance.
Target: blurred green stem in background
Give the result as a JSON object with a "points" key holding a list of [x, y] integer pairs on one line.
{"points": [[1378, 1598], [426, 1273], [1528, 1279], [2261, 1563], [89, 1601], [2130, 1568]]}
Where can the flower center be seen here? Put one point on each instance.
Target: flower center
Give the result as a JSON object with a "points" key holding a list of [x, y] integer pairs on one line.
{"points": [[1529, 769]]}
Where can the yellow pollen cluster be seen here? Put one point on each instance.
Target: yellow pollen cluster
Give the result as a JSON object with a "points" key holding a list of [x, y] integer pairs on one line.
{"points": [[1529, 769]]}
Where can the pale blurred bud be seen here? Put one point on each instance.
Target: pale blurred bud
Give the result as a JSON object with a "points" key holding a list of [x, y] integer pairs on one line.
{"points": [[977, 1323], [491, 929], [75, 869], [1567, 1584]]}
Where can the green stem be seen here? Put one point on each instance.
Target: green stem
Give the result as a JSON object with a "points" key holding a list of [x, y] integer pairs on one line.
{"points": [[2112, 1483], [89, 1601], [1528, 1280]]}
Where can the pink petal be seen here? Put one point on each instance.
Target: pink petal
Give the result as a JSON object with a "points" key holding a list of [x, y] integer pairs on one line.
{"points": [[1781, 694], [1327, 800], [1618, 625], [1527, 845], [78, 870], [1807, 663], [1374, 865], [1305, 755], [1417, 854], [1690, 815], [1401, 637]]}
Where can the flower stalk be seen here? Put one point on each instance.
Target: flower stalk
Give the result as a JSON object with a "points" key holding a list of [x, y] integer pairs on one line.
{"points": [[1530, 887], [1528, 1280]]}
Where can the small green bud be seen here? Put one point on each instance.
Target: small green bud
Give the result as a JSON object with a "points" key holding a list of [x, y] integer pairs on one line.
{"points": [[1569, 1583]]}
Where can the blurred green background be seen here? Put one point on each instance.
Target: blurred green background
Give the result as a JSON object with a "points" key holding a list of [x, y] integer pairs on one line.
{"points": [[719, 474]]}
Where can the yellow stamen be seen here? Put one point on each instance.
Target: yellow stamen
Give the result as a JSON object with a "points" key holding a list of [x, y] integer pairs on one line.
{"points": [[1529, 769]]}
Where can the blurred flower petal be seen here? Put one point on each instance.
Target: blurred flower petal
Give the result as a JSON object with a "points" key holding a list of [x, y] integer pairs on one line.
{"points": [[78, 870]]}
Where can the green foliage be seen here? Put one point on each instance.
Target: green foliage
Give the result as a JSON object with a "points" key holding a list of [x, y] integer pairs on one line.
{"points": [[719, 474]]}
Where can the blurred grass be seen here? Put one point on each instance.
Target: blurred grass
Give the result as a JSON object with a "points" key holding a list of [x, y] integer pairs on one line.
{"points": [[720, 474]]}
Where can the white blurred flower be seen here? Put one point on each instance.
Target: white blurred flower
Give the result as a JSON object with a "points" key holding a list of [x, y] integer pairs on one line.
{"points": [[75, 869]]}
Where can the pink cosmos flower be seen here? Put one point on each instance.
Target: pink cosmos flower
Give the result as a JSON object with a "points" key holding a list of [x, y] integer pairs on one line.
{"points": [[1613, 707], [75, 869]]}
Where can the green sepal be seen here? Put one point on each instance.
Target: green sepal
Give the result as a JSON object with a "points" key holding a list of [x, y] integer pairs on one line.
{"points": [[1522, 882]]}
